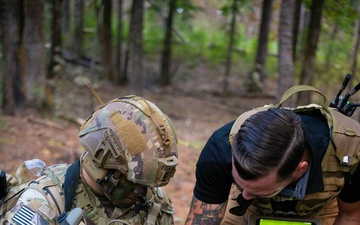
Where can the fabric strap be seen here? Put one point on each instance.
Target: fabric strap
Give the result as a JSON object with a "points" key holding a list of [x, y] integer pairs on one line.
{"points": [[71, 182]]}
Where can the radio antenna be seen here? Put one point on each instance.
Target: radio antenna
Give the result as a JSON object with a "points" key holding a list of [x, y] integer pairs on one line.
{"points": [[93, 91]]}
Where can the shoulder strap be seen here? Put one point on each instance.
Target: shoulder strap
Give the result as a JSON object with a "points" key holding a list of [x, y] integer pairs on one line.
{"points": [[299, 88], [3, 185], [290, 92], [71, 182], [241, 119]]}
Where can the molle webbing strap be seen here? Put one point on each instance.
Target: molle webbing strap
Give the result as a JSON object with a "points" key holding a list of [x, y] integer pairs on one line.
{"points": [[346, 135], [153, 214], [46, 187], [116, 117], [239, 121]]}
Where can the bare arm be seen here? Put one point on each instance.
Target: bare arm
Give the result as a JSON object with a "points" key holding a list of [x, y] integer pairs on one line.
{"points": [[349, 213], [204, 213]]}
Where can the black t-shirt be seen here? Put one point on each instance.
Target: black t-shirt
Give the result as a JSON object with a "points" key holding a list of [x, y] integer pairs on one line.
{"points": [[213, 168]]}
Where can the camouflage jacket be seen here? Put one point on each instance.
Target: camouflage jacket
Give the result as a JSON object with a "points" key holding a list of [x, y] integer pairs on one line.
{"points": [[42, 201]]}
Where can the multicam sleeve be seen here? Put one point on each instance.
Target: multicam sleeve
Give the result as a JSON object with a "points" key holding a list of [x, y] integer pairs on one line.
{"points": [[167, 209], [31, 208]]}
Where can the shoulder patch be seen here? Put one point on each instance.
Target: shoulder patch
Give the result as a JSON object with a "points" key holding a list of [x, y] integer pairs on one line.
{"points": [[25, 216]]}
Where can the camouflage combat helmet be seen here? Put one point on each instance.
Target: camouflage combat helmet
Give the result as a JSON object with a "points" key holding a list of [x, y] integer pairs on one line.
{"points": [[131, 136]]}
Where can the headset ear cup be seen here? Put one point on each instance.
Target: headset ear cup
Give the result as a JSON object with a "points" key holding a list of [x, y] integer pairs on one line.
{"points": [[93, 171]]}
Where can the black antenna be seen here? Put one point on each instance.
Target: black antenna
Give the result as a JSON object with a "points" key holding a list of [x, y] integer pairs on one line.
{"points": [[342, 87], [347, 95]]}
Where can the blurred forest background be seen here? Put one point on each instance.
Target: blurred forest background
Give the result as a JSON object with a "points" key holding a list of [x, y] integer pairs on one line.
{"points": [[202, 62], [141, 43]]}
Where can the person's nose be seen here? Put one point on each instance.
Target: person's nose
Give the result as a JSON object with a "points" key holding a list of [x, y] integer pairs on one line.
{"points": [[247, 195]]}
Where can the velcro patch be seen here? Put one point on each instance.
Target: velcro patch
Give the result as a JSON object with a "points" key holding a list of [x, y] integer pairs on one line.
{"points": [[131, 136], [25, 216]]}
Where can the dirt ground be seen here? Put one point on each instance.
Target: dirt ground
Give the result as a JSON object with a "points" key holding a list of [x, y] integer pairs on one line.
{"points": [[194, 105]]}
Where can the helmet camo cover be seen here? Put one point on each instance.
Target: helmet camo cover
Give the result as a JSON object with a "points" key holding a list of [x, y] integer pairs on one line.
{"points": [[133, 136]]}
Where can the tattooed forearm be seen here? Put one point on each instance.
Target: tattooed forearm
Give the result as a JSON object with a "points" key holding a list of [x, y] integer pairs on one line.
{"points": [[203, 213]]}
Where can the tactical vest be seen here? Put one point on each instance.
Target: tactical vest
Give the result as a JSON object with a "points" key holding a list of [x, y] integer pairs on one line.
{"points": [[158, 208], [342, 154]]}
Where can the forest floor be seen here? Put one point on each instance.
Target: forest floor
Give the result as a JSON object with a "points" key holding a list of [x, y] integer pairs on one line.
{"points": [[195, 105]]}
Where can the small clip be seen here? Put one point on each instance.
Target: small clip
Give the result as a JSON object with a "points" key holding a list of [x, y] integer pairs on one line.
{"points": [[346, 160]]}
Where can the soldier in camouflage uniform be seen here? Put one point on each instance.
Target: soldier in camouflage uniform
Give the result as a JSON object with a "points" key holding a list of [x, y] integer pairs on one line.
{"points": [[130, 154]]}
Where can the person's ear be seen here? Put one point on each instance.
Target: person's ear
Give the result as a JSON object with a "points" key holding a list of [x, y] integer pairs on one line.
{"points": [[302, 167]]}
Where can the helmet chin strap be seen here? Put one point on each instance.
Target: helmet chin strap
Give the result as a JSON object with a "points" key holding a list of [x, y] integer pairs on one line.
{"points": [[109, 183]]}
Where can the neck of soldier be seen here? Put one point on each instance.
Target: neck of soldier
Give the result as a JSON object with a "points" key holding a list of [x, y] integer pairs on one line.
{"points": [[302, 167], [95, 187]]}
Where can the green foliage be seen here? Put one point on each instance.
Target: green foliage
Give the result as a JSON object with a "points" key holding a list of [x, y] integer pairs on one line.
{"points": [[153, 32], [341, 12], [90, 31], [199, 38], [334, 51], [244, 6]]}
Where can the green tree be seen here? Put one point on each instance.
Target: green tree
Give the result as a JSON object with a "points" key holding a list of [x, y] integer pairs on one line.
{"points": [[165, 75], [285, 58], [33, 39], [78, 29], [234, 11], [105, 39], [136, 47], [10, 24], [310, 50]]}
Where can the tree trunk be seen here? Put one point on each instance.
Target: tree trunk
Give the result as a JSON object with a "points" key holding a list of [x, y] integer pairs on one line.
{"points": [[255, 79], [286, 64], [105, 39], [119, 75], [355, 53], [135, 47], [35, 75], [263, 37], [310, 50], [65, 22], [10, 23], [55, 36], [296, 28], [78, 29], [356, 47], [165, 76], [230, 47], [301, 37], [65, 14]]}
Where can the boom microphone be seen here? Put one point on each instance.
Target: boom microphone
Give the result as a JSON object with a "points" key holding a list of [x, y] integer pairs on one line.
{"points": [[243, 206]]}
